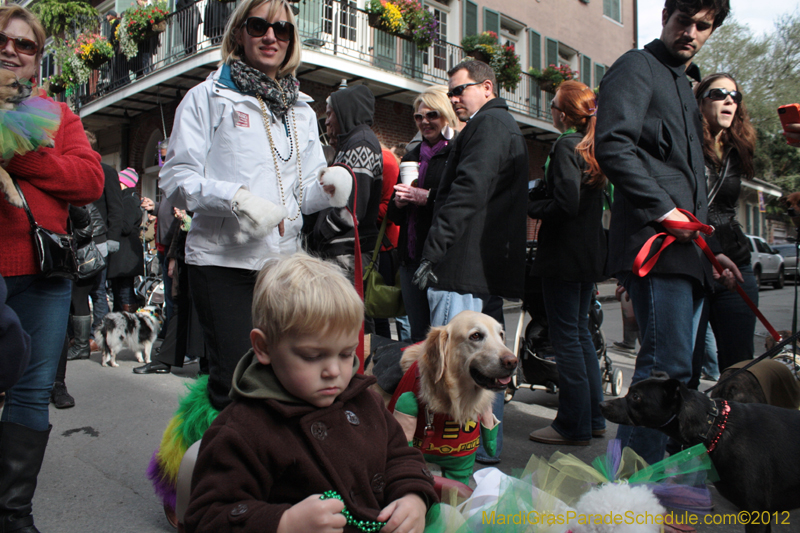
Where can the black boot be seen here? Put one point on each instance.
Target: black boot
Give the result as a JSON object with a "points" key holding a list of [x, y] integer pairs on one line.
{"points": [[21, 455], [60, 397], [82, 327]]}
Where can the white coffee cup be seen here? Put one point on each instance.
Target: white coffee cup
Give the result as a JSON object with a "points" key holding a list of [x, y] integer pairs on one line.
{"points": [[409, 171]]}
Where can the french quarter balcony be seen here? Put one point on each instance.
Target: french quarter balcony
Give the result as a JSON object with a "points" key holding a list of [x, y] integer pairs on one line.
{"points": [[337, 42]]}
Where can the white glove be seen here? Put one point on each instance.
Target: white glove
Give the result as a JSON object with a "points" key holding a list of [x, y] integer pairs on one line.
{"points": [[113, 246], [337, 182], [257, 216]]}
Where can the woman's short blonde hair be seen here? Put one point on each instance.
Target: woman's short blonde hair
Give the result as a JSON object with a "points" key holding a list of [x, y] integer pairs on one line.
{"points": [[299, 295], [231, 50], [16, 12], [435, 97]]}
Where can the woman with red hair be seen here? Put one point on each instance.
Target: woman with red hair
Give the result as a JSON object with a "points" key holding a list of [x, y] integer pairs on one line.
{"points": [[570, 258]]}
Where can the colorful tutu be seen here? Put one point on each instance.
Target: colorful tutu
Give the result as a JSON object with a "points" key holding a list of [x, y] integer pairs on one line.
{"points": [[193, 417], [32, 124], [565, 494]]}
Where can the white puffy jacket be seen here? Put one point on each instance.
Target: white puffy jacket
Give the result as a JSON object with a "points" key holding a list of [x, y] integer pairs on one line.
{"points": [[219, 145]]}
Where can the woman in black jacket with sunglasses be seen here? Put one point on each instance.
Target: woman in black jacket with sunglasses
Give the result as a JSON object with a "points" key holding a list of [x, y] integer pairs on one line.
{"points": [[728, 145]]}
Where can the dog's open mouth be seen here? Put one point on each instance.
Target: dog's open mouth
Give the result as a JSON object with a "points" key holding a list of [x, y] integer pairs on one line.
{"points": [[484, 381]]}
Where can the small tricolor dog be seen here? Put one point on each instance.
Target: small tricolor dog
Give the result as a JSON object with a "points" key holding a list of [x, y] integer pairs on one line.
{"points": [[444, 401], [134, 331]]}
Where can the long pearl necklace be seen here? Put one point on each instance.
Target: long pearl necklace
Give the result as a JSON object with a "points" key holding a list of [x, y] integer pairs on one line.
{"points": [[276, 155]]}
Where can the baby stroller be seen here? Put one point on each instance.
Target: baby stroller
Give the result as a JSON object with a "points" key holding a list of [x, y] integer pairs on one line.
{"points": [[537, 365], [149, 289]]}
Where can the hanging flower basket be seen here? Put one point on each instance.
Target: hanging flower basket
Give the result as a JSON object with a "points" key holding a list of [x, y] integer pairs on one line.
{"points": [[480, 55], [160, 27], [503, 59], [93, 50], [550, 78], [56, 88], [140, 23], [406, 19]]}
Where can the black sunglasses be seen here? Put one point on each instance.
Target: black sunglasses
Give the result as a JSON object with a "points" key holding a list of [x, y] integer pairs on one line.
{"points": [[21, 45], [258, 27], [459, 90], [721, 94], [554, 106], [430, 115]]}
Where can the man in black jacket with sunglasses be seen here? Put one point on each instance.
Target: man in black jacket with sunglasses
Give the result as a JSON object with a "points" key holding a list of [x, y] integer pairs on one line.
{"points": [[649, 142]]}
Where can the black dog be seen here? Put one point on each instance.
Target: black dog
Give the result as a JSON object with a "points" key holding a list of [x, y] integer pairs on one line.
{"points": [[755, 448]]}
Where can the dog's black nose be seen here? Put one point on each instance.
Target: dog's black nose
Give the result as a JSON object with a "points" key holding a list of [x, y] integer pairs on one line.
{"points": [[509, 361]]}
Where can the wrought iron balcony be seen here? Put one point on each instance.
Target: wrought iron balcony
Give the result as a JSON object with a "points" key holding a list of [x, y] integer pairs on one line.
{"points": [[330, 27]]}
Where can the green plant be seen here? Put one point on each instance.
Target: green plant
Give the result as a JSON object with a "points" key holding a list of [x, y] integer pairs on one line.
{"points": [[140, 20], [60, 16], [550, 78], [72, 69], [502, 58]]}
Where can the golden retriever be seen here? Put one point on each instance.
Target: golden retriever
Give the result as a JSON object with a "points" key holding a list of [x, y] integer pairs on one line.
{"points": [[462, 365]]}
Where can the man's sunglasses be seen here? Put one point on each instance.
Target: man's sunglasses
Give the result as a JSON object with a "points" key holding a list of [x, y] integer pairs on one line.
{"points": [[721, 94], [21, 45], [459, 90], [430, 115], [258, 27]]}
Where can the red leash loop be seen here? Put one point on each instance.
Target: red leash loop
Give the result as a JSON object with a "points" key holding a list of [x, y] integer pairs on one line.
{"points": [[642, 265], [359, 273]]}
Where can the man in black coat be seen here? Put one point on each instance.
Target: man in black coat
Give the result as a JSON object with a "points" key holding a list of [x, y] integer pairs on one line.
{"points": [[475, 251], [649, 142]]}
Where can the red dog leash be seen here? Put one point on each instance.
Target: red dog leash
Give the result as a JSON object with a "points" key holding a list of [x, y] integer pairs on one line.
{"points": [[642, 265]]}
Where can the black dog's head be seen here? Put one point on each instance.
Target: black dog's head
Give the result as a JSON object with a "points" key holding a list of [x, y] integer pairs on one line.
{"points": [[649, 403]]}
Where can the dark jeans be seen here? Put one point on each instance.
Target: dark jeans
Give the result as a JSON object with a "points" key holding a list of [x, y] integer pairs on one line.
{"points": [[416, 302], [580, 388], [668, 311], [223, 298], [123, 293], [43, 307]]}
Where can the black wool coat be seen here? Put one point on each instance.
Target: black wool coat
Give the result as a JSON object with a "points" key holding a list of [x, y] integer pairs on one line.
{"points": [[477, 240], [648, 142], [572, 242], [128, 261]]}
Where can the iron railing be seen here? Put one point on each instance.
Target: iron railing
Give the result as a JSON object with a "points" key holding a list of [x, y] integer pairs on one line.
{"points": [[333, 27]]}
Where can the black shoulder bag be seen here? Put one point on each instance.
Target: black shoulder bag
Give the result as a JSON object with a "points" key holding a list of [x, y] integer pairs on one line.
{"points": [[55, 252]]}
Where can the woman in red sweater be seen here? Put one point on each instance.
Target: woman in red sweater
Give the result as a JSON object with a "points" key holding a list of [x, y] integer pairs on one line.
{"points": [[50, 179]]}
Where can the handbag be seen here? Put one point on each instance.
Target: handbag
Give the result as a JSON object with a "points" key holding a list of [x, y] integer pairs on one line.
{"points": [[381, 300], [55, 252], [90, 261]]}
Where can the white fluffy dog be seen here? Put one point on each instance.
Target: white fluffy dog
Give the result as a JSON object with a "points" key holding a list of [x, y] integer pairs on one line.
{"points": [[135, 331]]}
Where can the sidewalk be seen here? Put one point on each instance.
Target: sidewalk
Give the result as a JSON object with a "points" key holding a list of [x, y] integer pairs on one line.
{"points": [[605, 288]]}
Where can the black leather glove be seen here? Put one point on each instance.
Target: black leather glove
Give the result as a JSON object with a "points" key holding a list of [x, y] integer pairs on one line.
{"points": [[424, 275]]}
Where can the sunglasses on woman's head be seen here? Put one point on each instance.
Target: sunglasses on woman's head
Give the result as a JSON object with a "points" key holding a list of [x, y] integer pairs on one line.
{"points": [[430, 115], [21, 45], [258, 27], [459, 90], [721, 94]]}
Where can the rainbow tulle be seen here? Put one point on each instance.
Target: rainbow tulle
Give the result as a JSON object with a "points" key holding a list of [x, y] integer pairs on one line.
{"points": [[539, 499], [33, 123], [193, 417]]}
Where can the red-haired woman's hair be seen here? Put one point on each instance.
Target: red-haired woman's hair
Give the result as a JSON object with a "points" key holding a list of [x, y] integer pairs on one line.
{"points": [[579, 103], [741, 135]]}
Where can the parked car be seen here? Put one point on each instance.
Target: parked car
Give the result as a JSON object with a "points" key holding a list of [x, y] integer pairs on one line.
{"points": [[789, 253], [767, 263]]}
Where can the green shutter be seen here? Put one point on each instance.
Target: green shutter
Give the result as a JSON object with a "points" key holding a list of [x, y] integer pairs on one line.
{"points": [[611, 9], [599, 72], [551, 52], [586, 70], [470, 18], [491, 21], [535, 56]]}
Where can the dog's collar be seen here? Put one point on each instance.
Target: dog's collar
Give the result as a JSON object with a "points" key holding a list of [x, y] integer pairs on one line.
{"points": [[716, 420]]}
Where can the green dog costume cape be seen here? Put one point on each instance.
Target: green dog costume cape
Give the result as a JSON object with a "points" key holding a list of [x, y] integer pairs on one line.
{"points": [[441, 439]]}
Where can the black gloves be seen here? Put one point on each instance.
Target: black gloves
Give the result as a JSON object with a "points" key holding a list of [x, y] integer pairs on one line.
{"points": [[424, 275]]}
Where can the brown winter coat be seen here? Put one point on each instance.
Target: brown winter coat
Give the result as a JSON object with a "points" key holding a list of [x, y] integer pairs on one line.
{"points": [[261, 456]]}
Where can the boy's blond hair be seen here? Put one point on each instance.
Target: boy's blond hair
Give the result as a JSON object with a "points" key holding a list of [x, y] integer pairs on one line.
{"points": [[300, 295]]}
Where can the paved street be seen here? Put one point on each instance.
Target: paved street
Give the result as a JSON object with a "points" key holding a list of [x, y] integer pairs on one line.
{"points": [[93, 475]]}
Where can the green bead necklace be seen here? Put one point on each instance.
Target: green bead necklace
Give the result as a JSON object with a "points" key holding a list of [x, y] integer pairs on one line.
{"points": [[367, 526]]}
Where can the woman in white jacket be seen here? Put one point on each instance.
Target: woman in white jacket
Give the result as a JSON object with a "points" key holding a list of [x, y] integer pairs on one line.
{"points": [[245, 157]]}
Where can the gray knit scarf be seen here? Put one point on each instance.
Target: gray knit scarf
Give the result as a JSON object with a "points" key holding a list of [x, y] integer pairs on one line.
{"points": [[279, 95]]}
